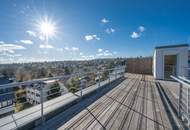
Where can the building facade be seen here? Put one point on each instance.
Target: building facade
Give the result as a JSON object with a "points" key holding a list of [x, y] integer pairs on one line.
{"points": [[34, 93], [170, 60], [6, 97]]}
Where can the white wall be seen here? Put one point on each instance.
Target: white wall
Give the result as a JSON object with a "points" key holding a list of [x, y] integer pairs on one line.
{"points": [[182, 60]]}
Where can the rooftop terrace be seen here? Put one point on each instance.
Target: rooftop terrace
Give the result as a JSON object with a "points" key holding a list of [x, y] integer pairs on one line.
{"points": [[134, 102], [137, 103]]}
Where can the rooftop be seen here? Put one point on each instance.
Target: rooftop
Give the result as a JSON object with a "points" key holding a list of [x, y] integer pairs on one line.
{"points": [[135, 102]]}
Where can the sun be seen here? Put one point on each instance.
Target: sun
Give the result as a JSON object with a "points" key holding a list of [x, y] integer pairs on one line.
{"points": [[47, 28]]}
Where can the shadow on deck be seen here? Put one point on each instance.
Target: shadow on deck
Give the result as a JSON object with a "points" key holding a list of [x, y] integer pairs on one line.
{"points": [[64, 116]]}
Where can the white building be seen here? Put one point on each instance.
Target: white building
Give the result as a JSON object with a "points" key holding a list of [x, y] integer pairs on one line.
{"points": [[170, 60], [33, 93], [6, 97]]}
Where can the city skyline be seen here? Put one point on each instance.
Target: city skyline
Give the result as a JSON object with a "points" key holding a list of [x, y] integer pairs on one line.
{"points": [[90, 29]]}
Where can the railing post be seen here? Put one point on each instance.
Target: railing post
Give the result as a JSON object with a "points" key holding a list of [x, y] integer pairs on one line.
{"points": [[123, 71], [81, 90], [187, 100], [115, 74], [109, 76], [42, 102], [179, 100], [35, 99], [81, 84], [98, 79], [188, 122]]}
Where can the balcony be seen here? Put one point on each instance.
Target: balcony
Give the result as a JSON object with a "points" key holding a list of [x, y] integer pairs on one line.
{"points": [[120, 101], [39, 112]]}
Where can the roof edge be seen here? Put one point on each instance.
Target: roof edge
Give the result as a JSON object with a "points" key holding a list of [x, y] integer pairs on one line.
{"points": [[172, 46]]}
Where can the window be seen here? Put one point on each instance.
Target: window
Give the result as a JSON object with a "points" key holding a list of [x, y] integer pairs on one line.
{"points": [[4, 103], [37, 95], [10, 102]]}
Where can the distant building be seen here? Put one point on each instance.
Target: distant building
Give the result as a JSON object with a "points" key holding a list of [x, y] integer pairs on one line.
{"points": [[6, 97], [33, 93], [170, 60]]}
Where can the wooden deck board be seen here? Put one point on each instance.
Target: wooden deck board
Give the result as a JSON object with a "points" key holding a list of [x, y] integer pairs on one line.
{"points": [[118, 116], [135, 104]]}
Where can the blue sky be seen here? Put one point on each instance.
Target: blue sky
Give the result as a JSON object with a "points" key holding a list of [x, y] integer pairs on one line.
{"points": [[87, 29]]}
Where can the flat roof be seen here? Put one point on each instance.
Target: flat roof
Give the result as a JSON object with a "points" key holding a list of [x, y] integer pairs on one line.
{"points": [[130, 105], [172, 46]]}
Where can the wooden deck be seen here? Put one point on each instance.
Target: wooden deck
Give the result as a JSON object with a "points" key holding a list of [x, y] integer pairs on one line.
{"points": [[133, 104]]}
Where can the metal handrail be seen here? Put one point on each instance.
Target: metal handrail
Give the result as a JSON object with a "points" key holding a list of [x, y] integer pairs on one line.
{"points": [[181, 81], [183, 112], [40, 82], [184, 79], [17, 84]]}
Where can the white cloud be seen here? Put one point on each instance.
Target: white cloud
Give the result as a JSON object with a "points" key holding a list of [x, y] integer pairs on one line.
{"points": [[100, 50], [141, 28], [41, 37], [110, 30], [10, 48], [135, 35], [47, 46], [138, 34], [71, 49], [88, 57], [31, 33], [100, 54], [2, 42], [66, 48], [104, 20], [81, 54], [106, 53], [75, 49], [26, 41], [91, 37], [88, 37], [10, 55], [59, 49], [96, 37]]}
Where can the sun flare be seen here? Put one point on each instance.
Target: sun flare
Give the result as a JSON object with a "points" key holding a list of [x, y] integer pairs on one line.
{"points": [[47, 28]]}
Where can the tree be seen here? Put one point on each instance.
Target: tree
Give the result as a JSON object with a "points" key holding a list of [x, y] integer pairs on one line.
{"points": [[54, 91], [4, 73], [74, 85], [50, 75], [105, 75], [20, 99], [42, 73], [67, 70], [111, 65]]}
